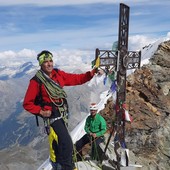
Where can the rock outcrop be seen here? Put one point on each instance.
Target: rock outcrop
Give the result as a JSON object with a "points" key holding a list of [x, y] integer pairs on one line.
{"points": [[148, 101]]}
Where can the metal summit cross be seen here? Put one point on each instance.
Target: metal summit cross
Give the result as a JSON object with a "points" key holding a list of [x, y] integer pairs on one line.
{"points": [[120, 61]]}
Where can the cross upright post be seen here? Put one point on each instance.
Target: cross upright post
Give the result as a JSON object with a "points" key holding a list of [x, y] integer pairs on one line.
{"points": [[120, 61]]}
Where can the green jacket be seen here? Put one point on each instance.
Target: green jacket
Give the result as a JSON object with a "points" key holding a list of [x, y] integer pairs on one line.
{"points": [[95, 125]]}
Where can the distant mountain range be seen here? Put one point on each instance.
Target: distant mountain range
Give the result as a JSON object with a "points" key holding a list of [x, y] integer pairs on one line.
{"points": [[7, 73]]}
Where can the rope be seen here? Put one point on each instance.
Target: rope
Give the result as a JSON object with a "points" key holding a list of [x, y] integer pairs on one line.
{"points": [[83, 160], [94, 153], [55, 91]]}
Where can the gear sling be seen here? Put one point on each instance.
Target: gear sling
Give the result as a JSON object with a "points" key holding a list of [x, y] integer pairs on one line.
{"points": [[61, 146]]}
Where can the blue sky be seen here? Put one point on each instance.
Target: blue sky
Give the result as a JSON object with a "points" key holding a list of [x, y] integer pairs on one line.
{"points": [[74, 26]]}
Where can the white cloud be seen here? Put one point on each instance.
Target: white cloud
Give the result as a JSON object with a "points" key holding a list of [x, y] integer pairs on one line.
{"points": [[26, 53], [136, 42], [168, 35], [66, 57], [11, 58]]}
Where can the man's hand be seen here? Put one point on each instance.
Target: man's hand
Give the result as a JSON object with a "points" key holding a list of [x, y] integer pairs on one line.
{"points": [[97, 71], [45, 113], [100, 72], [93, 135]]}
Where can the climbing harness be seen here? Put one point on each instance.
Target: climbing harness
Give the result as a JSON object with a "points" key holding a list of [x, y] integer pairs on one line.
{"points": [[46, 125]]}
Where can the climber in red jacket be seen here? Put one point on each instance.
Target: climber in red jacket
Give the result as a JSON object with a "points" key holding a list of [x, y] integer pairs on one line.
{"points": [[46, 87]]}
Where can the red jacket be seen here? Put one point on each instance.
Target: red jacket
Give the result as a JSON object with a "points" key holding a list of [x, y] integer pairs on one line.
{"points": [[62, 78]]}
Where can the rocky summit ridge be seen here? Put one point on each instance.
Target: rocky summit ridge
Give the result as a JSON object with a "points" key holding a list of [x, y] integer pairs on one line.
{"points": [[148, 102]]}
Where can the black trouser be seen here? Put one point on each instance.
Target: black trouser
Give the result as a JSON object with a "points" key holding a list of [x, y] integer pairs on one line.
{"points": [[63, 149], [87, 139]]}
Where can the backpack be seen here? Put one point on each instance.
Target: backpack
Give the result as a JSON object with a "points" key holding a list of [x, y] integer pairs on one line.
{"points": [[38, 99]]}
